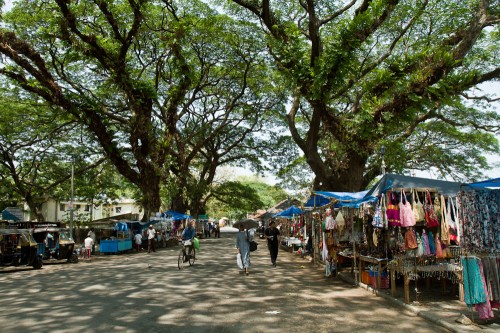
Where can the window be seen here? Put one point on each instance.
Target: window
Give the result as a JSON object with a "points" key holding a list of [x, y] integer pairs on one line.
{"points": [[62, 207], [78, 207], [87, 208], [118, 209]]}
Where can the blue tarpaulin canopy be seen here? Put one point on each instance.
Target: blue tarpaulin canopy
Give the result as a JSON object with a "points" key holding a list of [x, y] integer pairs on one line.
{"points": [[346, 199], [289, 212], [8, 216], [393, 181], [492, 184], [175, 216]]}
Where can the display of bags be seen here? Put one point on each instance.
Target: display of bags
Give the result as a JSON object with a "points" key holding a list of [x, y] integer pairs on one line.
{"points": [[430, 215], [418, 207]]}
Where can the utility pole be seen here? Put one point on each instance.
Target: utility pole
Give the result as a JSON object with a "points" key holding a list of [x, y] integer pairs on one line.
{"points": [[71, 209]]}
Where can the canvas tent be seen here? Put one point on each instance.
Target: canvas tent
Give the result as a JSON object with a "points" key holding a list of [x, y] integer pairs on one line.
{"points": [[289, 212], [345, 199], [393, 181]]}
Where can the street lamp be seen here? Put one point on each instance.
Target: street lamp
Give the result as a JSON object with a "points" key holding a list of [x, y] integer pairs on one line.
{"points": [[382, 153]]}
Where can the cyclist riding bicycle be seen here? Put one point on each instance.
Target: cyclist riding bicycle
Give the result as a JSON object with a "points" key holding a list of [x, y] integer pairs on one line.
{"points": [[188, 234]]}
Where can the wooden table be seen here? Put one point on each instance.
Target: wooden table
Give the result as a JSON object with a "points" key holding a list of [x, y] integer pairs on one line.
{"points": [[381, 265], [407, 271]]}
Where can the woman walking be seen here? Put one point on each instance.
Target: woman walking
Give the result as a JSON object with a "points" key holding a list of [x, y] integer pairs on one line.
{"points": [[243, 239]]}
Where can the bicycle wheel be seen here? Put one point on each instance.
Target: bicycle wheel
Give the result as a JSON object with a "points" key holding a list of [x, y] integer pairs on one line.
{"points": [[192, 256], [180, 260]]}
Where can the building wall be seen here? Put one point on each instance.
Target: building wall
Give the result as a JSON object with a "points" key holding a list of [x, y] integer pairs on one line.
{"points": [[59, 211]]}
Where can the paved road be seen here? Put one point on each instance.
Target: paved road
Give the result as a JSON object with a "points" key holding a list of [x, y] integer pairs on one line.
{"points": [[147, 293]]}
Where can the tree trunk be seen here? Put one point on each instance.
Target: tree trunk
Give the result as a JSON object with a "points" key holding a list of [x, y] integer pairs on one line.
{"points": [[348, 179], [150, 188]]}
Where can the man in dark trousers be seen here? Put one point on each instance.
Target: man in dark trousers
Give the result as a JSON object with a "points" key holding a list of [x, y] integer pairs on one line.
{"points": [[273, 241]]}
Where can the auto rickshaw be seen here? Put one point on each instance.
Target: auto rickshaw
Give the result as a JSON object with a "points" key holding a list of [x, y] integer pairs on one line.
{"points": [[19, 248], [55, 244]]}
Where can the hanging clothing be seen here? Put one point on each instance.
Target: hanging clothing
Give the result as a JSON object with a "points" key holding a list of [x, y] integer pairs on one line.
{"points": [[425, 241], [481, 219], [432, 245], [393, 211]]}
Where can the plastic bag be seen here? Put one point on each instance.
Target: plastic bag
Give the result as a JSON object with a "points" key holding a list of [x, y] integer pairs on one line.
{"points": [[238, 261], [196, 243]]}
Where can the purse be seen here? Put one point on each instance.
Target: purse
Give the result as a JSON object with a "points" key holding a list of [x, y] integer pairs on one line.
{"points": [[406, 212], [393, 211], [430, 215], [418, 207], [253, 246]]}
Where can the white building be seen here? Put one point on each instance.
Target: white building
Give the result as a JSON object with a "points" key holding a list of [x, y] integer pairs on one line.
{"points": [[59, 211]]}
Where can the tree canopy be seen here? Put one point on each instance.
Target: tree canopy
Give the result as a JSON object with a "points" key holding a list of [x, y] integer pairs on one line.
{"points": [[371, 73], [166, 88]]}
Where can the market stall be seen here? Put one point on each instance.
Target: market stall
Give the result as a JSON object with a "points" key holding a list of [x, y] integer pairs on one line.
{"points": [[291, 223], [479, 205], [415, 225], [121, 241]]}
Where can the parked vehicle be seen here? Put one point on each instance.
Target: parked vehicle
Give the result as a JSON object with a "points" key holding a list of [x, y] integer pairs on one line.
{"points": [[19, 248], [55, 244]]}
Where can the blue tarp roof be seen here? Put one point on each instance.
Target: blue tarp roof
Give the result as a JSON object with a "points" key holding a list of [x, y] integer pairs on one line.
{"points": [[493, 183], [8, 216], [317, 201], [289, 212], [393, 181], [347, 199], [176, 216]]}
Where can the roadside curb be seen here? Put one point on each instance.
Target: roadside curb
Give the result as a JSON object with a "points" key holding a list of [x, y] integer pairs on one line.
{"points": [[419, 312]]}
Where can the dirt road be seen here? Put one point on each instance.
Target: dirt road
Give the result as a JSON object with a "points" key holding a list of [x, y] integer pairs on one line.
{"points": [[147, 293]]}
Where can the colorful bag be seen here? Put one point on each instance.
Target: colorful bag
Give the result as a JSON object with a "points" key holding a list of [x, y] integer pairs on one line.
{"points": [[410, 239], [406, 212], [445, 227], [393, 211], [377, 221], [340, 221], [418, 207], [430, 215]]}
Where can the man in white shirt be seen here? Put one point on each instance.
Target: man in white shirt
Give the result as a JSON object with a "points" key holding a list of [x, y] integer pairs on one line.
{"points": [[151, 238], [89, 243], [138, 241]]}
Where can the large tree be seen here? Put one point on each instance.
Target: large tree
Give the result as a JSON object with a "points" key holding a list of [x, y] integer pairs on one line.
{"points": [[369, 73], [145, 78], [35, 147]]}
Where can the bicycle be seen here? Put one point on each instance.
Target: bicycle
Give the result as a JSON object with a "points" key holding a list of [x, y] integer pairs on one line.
{"points": [[186, 257]]}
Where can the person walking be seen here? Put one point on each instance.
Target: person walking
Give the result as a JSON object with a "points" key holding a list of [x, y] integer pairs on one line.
{"points": [[138, 241], [91, 234], [243, 238], [151, 238], [273, 240]]}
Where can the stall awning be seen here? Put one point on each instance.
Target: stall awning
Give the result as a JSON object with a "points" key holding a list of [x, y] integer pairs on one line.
{"points": [[175, 216], [393, 181], [491, 184], [345, 199], [289, 212]]}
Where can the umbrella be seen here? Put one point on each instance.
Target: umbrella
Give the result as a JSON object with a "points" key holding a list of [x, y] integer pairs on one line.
{"points": [[247, 224]]}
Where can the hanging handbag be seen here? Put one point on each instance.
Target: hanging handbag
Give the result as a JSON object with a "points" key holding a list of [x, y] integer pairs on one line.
{"points": [[418, 207], [430, 216], [377, 221], [410, 239], [445, 227], [393, 211], [405, 211], [340, 221]]}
